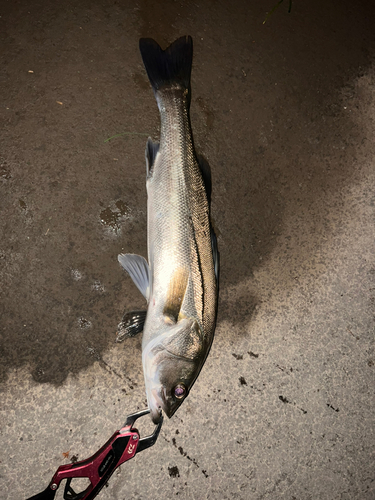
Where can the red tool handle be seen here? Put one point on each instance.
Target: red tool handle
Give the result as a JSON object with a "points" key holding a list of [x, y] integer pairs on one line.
{"points": [[122, 446]]}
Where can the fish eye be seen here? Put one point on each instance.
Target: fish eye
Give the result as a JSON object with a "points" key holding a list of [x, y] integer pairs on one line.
{"points": [[179, 391]]}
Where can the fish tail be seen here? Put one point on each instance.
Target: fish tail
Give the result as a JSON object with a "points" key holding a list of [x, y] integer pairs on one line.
{"points": [[170, 67]]}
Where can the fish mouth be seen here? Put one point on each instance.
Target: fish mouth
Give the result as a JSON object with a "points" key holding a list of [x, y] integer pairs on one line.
{"points": [[157, 404]]}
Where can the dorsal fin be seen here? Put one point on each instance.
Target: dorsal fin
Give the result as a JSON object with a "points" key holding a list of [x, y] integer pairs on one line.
{"points": [[215, 255], [206, 174]]}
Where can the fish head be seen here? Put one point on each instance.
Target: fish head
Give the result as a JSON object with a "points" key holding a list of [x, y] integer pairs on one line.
{"points": [[171, 363]]}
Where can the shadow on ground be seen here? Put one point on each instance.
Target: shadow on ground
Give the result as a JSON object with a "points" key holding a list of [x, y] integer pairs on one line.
{"points": [[269, 111]]}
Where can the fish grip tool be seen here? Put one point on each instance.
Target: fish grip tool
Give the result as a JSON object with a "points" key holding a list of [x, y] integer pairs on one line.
{"points": [[121, 447]]}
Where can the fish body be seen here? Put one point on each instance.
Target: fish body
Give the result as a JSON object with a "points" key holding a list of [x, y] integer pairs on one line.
{"points": [[180, 280]]}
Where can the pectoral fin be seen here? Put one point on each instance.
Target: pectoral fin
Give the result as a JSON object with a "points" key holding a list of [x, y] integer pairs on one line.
{"points": [[131, 324], [139, 271], [187, 343], [176, 293]]}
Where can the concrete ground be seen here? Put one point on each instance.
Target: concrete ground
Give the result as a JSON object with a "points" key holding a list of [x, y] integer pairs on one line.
{"points": [[284, 112]]}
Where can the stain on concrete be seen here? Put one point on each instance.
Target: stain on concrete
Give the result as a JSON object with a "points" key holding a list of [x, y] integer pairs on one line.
{"points": [[173, 471], [112, 216]]}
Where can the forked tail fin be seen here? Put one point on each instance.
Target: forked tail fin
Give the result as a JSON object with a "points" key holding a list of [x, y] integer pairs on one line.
{"points": [[169, 67]]}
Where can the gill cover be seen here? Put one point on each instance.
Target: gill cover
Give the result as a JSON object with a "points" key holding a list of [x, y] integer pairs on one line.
{"points": [[172, 360]]}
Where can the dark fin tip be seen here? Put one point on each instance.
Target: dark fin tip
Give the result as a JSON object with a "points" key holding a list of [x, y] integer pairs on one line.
{"points": [[168, 67], [152, 149], [131, 324]]}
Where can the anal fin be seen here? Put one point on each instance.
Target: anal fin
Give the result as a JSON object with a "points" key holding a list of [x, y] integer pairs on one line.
{"points": [[152, 149]]}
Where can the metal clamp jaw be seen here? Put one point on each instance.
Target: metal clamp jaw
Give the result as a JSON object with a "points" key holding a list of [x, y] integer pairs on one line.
{"points": [[122, 446]]}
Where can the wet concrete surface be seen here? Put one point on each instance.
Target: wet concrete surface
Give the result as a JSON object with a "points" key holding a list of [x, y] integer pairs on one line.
{"points": [[284, 112]]}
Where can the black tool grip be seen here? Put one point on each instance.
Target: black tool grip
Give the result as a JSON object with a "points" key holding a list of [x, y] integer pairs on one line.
{"points": [[47, 494]]}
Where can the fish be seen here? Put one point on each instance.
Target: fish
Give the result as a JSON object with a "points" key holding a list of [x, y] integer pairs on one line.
{"points": [[180, 280]]}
